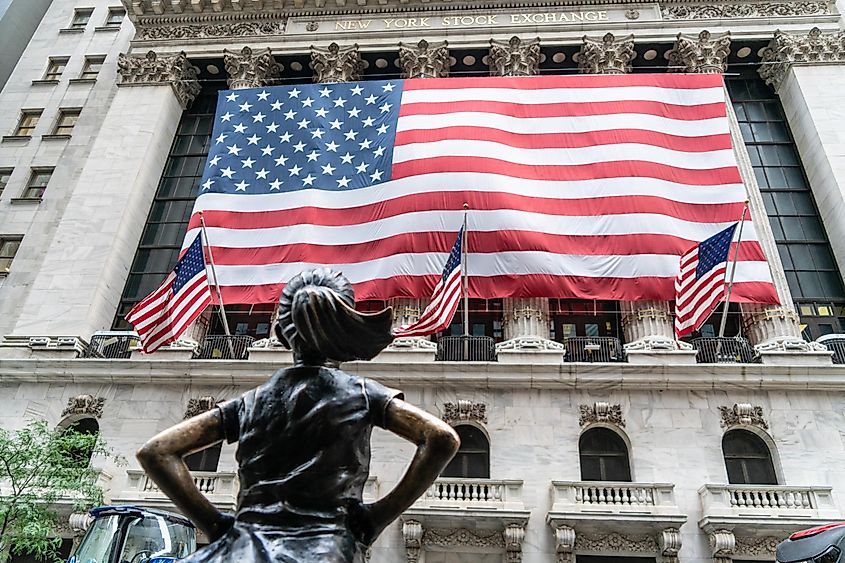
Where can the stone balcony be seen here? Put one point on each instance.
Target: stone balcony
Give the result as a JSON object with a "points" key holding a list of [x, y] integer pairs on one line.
{"points": [[776, 508], [221, 488], [496, 501]]}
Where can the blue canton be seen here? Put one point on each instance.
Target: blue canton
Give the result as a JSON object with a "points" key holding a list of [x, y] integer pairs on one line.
{"points": [[335, 137], [454, 257], [191, 263], [714, 251]]}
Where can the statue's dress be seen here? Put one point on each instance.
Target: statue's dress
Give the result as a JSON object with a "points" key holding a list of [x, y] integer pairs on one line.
{"points": [[303, 456]]}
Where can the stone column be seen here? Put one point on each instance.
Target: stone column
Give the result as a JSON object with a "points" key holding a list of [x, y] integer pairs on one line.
{"points": [[703, 54], [84, 269], [412, 533], [526, 320], [607, 55], [334, 64], [249, 69]]}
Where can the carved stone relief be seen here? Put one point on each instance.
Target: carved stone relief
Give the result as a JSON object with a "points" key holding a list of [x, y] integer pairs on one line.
{"points": [[744, 10], [199, 405], [84, 405], [615, 541], [743, 413], [412, 532], [424, 60], [601, 412], [564, 543], [150, 69], [756, 547], [704, 54], [669, 542], [514, 57], [513, 537], [249, 69], [335, 64], [211, 31], [786, 49], [607, 55], [464, 411], [449, 537]]}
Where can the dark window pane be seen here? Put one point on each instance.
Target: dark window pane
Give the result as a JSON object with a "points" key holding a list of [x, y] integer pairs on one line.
{"points": [[803, 203], [776, 177], [810, 284], [761, 180], [779, 132], [761, 132], [792, 228], [755, 111], [831, 285], [822, 256], [794, 178], [776, 229], [794, 286], [205, 460], [604, 456], [783, 202], [768, 154], [747, 459], [473, 457], [812, 228], [787, 156], [801, 258], [785, 258], [769, 202]]}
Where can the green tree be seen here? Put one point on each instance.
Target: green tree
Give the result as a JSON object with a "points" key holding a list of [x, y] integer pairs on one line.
{"points": [[40, 467]]}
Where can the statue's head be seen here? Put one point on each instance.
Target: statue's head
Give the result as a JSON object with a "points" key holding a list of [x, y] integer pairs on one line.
{"points": [[318, 321]]}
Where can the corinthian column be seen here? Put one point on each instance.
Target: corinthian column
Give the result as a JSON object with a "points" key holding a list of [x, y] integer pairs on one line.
{"points": [[334, 64], [249, 69], [700, 55], [607, 55]]}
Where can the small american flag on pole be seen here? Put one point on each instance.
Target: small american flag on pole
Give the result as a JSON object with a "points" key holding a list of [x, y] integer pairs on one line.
{"points": [[444, 302], [701, 282], [162, 317]]}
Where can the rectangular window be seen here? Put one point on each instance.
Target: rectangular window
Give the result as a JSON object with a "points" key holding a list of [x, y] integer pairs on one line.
{"points": [[37, 183], [81, 17], [55, 68], [67, 120], [8, 248], [115, 17], [5, 174], [28, 121], [92, 67]]}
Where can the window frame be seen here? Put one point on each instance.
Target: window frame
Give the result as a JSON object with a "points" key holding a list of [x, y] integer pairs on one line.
{"points": [[743, 460], [52, 75], [61, 129], [85, 73], [7, 260], [110, 14], [25, 130], [7, 173], [77, 12], [35, 172], [624, 454], [465, 454]]}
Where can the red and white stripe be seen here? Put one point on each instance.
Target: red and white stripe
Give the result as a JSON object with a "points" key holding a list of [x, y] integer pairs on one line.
{"points": [[585, 187], [440, 311], [162, 317], [696, 299]]}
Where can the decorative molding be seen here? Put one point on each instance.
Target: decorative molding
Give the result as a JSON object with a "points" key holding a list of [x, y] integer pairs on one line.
{"points": [[514, 57], [601, 412], [743, 414], [85, 405], [756, 547], [786, 49], [424, 60], [152, 70], [744, 10], [199, 405], [722, 543], [464, 411], [513, 537], [334, 64], [530, 343], [249, 69], [703, 54], [412, 532], [669, 542], [616, 542], [451, 537], [656, 342], [564, 543], [211, 31], [607, 55], [412, 343]]}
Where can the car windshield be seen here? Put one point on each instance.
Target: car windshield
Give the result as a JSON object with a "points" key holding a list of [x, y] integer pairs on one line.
{"points": [[97, 545], [145, 538]]}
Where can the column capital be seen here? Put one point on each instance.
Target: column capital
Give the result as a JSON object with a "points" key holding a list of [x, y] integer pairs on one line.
{"points": [[424, 60], [154, 70], [514, 57], [786, 49], [336, 64], [703, 54], [607, 55], [250, 69]]}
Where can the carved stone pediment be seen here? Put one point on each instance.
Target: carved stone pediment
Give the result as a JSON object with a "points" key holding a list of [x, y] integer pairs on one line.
{"points": [[154, 70], [601, 411], [514, 57], [424, 60], [89, 405], [336, 64]]}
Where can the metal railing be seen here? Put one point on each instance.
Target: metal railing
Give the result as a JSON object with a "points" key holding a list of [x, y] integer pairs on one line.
{"points": [[593, 349], [217, 347], [725, 350], [836, 344], [111, 344], [466, 349]]}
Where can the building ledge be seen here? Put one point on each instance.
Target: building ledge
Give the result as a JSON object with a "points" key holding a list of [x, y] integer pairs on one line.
{"points": [[72, 30], [15, 138], [51, 82], [107, 28], [55, 137], [82, 80], [25, 200]]}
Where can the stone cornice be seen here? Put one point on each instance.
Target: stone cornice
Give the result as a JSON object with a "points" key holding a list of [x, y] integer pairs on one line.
{"points": [[471, 375], [786, 49]]}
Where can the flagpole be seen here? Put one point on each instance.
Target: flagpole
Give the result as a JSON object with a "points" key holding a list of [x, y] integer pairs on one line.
{"points": [[217, 287], [466, 282], [733, 272]]}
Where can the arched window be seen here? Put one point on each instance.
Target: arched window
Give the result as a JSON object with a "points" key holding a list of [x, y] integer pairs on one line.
{"points": [[87, 427], [473, 457], [604, 456], [205, 460], [747, 459]]}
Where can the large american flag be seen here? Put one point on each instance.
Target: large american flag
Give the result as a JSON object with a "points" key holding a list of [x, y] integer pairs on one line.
{"points": [[578, 186]]}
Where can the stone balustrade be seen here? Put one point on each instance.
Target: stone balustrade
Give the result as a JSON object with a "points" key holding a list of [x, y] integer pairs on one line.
{"points": [[463, 493], [720, 501], [607, 496], [221, 488]]}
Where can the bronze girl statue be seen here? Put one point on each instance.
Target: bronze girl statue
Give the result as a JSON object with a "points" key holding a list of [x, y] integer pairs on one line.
{"points": [[304, 441]]}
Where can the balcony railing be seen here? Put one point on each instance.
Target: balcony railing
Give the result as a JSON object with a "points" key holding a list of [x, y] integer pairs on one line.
{"points": [[725, 350], [221, 488], [222, 347], [593, 349], [607, 496], [836, 344], [767, 500], [461, 493], [111, 344], [466, 349]]}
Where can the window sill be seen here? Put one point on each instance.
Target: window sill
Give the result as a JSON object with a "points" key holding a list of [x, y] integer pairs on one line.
{"points": [[82, 80], [51, 82], [54, 137], [25, 200], [14, 138], [107, 28], [72, 30]]}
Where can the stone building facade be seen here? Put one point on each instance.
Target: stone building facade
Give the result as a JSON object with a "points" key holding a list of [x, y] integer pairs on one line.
{"points": [[679, 452]]}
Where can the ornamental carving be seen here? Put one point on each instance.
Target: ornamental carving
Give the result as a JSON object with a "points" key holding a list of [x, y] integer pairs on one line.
{"points": [[412, 532], [607, 55], [464, 411], [744, 414], [514, 57], [425, 60], [786, 49], [564, 543], [616, 542], [513, 537], [335, 64], [211, 31], [669, 542], [199, 405], [249, 69], [601, 412], [704, 54], [756, 547], [463, 537], [150, 69], [722, 543], [750, 10], [84, 405]]}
